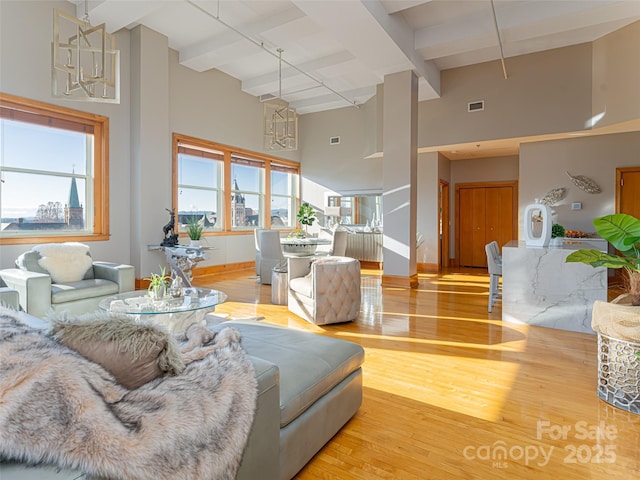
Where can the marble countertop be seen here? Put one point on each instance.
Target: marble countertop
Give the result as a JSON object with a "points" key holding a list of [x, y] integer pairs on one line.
{"points": [[568, 244]]}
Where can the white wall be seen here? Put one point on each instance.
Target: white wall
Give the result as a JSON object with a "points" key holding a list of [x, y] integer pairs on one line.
{"points": [[26, 31], [427, 215], [543, 166], [546, 92], [616, 76], [341, 167]]}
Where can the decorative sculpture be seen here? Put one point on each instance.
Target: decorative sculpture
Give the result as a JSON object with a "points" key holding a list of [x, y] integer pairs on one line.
{"points": [[170, 237], [554, 196], [585, 183]]}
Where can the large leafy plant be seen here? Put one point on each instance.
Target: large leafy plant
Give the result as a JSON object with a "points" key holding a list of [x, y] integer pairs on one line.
{"points": [[623, 232], [306, 215]]}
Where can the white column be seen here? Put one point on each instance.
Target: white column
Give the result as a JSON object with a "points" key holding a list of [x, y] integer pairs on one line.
{"points": [[150, 147], [399, 173]]}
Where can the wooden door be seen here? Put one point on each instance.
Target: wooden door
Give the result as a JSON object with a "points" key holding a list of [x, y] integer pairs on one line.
{"points": [[628, 191], [499, 208], [484, 212], [444, 225], [471, 227]]}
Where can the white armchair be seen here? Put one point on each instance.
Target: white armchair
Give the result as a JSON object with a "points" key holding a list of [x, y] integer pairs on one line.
{"points": [[64, 277], [324, 290], [8, 296]]}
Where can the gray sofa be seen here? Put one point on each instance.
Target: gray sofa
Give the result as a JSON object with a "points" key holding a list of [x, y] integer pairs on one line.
{"points": [[39, 292], [309, 386]]}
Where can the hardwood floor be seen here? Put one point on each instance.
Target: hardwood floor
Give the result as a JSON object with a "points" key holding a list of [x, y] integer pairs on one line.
{"points": [[450, 392]]}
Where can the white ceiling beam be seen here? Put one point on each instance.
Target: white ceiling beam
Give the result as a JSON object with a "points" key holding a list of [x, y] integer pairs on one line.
{"points": [[403, 36], [380, 41], [117, 14], [395, 6], [200, 57], [268, 79], [320, 102]]}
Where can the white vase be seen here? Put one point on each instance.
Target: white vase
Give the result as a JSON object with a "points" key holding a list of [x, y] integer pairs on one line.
{"points": [[194, 243], [537, 225]]}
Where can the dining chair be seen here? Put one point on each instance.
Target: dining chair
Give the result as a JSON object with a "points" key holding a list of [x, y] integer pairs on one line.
{"points": [[270, 254], [339, 245], [256, 235], [494, 265]]}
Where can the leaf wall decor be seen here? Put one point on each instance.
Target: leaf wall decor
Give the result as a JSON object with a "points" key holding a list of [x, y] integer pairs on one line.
{"points": [[585, 183], [553, 196]]}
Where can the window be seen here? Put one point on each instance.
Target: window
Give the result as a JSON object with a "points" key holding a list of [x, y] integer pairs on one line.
{"points": [[200, 186], [233, 189], [284, 193], [247, 192], [53, 182]]}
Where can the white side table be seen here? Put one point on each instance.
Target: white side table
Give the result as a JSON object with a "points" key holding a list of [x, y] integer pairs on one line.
{"points": [[279, 286], [182, 259]]}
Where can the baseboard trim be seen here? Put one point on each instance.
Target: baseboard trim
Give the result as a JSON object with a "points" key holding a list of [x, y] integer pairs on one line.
{"points": [[142, 284], [227, 267], [370, 264], [427, 267], [398, 281]]}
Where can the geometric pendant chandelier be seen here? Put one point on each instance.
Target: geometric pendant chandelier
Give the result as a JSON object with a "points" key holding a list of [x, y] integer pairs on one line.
{"points": [[85, 64], [280, 121]]}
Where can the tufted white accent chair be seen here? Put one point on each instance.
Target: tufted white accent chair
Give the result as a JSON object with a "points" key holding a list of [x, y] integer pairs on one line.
{"points": [[324, 290]]}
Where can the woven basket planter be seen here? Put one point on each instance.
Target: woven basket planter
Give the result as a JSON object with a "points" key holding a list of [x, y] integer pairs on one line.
{"points": [[619, 373]]}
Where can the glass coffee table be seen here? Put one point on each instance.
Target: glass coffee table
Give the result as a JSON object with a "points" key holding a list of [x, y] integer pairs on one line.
{"points": [[174, 313]]}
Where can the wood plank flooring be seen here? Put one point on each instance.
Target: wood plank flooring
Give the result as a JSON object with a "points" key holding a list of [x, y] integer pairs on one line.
{"points": [[450, 392]]}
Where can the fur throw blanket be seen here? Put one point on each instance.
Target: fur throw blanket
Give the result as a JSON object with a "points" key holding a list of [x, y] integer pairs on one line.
{"points": [[56, 407]]}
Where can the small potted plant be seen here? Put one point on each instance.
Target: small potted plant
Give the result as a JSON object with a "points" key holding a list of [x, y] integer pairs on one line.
{"points": [[306, 216], [195, 227], [158, 283], [557, 234]]}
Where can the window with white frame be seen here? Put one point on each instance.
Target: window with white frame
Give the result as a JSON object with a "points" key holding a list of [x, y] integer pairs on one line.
{"points": [[284, 191], [52, 164], [200, 187], [247, 192]]}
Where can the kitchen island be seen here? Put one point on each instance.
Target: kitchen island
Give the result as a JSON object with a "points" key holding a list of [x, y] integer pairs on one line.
{"points": [[540, 288]]}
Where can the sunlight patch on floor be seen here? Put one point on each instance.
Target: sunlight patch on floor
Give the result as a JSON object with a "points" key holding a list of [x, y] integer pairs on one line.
{"points": [[512, 346], [480, 386]]}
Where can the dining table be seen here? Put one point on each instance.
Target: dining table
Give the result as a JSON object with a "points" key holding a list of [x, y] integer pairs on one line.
{"points": [[302, 246]]}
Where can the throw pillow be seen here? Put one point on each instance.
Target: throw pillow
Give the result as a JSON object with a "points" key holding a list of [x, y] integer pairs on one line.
{"points": [[133, 352], [65, 262]]}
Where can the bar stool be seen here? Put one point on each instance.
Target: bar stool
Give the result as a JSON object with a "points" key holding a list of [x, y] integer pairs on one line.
{"points": [[494, 264]]}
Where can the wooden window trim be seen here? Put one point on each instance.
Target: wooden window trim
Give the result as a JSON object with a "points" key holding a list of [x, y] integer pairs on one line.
{"points": [[19, 108], [234, 155]]}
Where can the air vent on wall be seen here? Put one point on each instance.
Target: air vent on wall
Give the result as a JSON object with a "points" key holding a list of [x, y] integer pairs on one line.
{"points": [[266, 97], [334, 140], [475, 106]]}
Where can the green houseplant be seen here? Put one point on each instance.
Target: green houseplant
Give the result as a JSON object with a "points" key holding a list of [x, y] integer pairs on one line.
{"points": [[557, 231], [623, 232], [306, 216], [158, 283], [195, 227]]}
